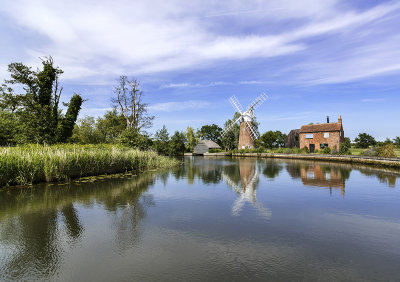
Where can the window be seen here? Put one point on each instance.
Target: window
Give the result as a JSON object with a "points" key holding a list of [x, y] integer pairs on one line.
{"points": [[321, 146], [309, 136], [326, 135]]}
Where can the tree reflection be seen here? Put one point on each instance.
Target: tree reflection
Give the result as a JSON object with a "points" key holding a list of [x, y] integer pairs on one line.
{"points": [[37, 225]]}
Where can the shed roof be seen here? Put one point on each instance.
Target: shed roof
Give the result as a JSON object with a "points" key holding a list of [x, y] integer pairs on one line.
{"points": [[210, 144], [322, 127]]}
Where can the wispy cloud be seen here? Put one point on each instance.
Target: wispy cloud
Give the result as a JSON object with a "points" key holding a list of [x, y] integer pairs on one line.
{"points": [[178, 106], [373, 100], [146, 37]]}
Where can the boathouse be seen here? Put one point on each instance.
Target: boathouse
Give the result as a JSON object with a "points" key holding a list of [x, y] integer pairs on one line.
{"points": [[203, 146], [319, 136]]}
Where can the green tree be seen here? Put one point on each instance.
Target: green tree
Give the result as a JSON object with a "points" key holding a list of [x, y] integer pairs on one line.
{"points": [[230, 140], [268, 139], [190, 139], [8, 125], [111, 126], [132, 138], [396, 141], [161, 140], [177, 144], [210, 132], [37, 108], [85, 132], [364, 140]]}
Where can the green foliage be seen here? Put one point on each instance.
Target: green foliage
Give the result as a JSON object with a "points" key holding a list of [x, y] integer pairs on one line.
{"points": [[8, 125], [364, 140], [132, 138], [177, 144], [306, 150], [36, 111], [210, 132], [230, 140], [344, 148], [29, 164], [273, 139], [161, 139], [190, 139], [68, 122], [386, 151], [326, 150], [396, 141]]}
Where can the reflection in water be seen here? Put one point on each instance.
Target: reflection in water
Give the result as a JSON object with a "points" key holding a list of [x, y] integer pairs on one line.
{"points": [[103, 230], [247, 190], [40, 224], [320, 175]]}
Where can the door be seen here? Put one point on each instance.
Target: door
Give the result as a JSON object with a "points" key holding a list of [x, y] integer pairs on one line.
{"points": [[312, 148]]}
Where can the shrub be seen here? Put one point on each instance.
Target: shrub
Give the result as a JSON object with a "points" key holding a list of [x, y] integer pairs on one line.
{"points": [[305, 150], [326, 150], [386, 151], [344, 149], [371, 152]]}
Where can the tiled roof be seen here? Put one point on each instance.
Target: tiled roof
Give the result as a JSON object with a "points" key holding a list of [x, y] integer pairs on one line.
{"points": [[322, 127]]}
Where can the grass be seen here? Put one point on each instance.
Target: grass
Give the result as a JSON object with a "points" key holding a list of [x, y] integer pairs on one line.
{"points": [[30, 164], [360, 152]]}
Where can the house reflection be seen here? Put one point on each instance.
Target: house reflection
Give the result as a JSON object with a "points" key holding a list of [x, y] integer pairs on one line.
{"points": [[245, 186], [320, 175]]}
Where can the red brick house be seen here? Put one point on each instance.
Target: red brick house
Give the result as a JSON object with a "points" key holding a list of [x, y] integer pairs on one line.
{"points": [[319, 136]]}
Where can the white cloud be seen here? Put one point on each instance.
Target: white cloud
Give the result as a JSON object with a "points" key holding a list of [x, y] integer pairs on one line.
{"points": [[92, 40], [372, 100], [178, 106]]}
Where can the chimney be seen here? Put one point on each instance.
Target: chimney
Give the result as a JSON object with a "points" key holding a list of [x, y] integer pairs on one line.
{"points": [[327, 119], [340, 119]]}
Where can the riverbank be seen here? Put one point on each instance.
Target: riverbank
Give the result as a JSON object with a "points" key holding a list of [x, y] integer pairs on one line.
{"points": [[377, 161], [24, 165]]}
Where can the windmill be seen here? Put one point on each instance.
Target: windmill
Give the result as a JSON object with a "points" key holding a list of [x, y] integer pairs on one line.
{"points": [[247, 133]]}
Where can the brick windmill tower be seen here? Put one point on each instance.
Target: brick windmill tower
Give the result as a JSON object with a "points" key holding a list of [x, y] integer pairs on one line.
{"points": [[247, 133]]}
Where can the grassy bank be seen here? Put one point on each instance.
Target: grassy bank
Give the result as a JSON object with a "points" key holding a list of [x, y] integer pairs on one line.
{"points": [[36, 163]]}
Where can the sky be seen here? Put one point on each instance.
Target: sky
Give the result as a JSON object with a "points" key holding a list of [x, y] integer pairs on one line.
{"points": [[312, 58]]}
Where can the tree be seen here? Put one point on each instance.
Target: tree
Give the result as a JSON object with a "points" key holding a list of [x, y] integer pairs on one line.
{"points": [[396, 141], [8, 125], [230, 140], [37, 109], [85, 132], [268, 139], [161, 139], [280, 139], [364, 140], [210, 132], [190, 139], [132, 138], [111, 126], [129, 101], [177, 144]]}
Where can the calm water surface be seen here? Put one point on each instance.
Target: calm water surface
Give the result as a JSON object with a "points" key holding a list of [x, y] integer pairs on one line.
{"points": [[209, 220]]}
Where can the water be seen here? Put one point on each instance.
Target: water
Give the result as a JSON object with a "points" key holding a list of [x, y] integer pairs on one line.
{"points": [[210, 220]]}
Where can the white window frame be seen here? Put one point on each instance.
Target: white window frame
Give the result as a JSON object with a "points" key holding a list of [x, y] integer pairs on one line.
{"points": [[309, 136], [326, 134]]}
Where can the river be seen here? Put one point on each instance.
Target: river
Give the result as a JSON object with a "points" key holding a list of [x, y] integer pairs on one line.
{"points": [[212, 219]]}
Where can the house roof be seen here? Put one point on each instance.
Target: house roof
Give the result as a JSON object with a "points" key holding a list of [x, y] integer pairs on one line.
{"points": [[210, 144], [322, 127]]}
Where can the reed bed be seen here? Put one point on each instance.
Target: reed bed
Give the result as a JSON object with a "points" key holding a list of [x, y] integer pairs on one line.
{"points": [[30, 164]]}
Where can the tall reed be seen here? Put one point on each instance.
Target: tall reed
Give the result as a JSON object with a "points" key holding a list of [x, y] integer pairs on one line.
{"points": [[37, 163]]}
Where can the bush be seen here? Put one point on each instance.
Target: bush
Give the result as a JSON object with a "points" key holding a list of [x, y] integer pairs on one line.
{"points": [[216, 151], [344, 149], [326, 150], [306, 150], [386, 151], [371, 153]]}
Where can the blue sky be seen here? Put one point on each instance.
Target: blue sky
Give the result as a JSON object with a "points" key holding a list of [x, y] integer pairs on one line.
{"points": [[313, 58]]}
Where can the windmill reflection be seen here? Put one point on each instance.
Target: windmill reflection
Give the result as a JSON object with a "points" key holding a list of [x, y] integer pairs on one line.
{"points": [[247, 191]]}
